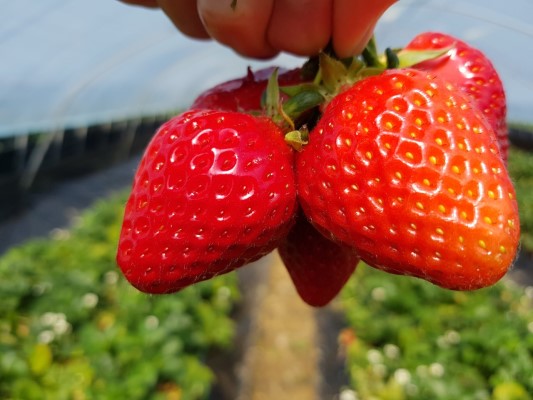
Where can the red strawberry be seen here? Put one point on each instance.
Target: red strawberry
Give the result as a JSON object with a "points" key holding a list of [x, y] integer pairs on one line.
{"points": [[318, 267], [402, 168], [473, 73], [214, 191], [243, 94]]}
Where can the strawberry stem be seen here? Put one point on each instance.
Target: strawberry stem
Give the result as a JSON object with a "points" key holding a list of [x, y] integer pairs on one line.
{"points": [[370, 54], [302, 102], [272, 102], [392, 58]]}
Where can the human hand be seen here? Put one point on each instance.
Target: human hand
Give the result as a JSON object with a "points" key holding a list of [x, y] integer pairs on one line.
{"points": [[263, 28]]}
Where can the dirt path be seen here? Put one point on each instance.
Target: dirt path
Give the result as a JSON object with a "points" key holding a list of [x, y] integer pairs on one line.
{"points": [[282, 359]]}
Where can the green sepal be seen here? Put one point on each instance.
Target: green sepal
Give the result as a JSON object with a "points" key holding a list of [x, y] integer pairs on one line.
{"points": [[333, 73], [297, 139], [302, 102], [370, 55], [408, 58], [272, 100], [355, 68], [293, 90], [392, 58]]}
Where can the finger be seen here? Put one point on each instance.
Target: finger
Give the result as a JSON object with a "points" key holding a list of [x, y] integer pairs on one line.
{"points": [[354, 24], [184, 14], [300, 27], [144, 3], [242, 27]]}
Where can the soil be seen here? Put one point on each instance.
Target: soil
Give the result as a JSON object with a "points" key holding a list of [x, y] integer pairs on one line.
{"points": [[282, 360], [284, 348]]}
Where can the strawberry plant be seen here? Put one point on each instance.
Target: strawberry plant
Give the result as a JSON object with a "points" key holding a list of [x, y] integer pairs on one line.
{"points": [[407, 339], [521, 170], [72, 327]]}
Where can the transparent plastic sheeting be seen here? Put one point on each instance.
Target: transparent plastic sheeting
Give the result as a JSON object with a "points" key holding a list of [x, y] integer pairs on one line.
{"points": [[78, 62]]}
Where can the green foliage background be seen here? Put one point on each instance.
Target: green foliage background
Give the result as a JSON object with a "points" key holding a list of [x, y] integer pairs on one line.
{"points": [[413, 340], [409, 339], [72, 328]]}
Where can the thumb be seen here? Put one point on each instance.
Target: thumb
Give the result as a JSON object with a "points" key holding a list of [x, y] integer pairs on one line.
{"points": [[354, 22]]}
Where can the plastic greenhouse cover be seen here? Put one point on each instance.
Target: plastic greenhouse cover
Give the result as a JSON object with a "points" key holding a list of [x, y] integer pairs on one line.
{"points": [[68, 63]]}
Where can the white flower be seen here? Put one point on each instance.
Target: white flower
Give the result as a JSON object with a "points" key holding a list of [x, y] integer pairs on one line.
{"points": [[436, 369], [452, 337], [224, 293], [89, 300], [55, 324], [374, 356], [379, 294], [391, 351], [449, 338], [380, 370], [348, 394], [46, 336], [61, 327], [49, 318], [402, 376], [111, 278], [151, 322]]}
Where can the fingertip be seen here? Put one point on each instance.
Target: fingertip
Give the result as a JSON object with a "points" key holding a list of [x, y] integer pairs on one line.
{"points": [[302, 28], [354, 24], [142, 3], [184, 15], [243, 28], [345, 49]]}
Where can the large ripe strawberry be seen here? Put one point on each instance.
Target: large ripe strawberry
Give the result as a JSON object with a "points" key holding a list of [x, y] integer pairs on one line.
{"points": [[403, 168], [318, 267], [472, 72], [214, 191], [244, 94]]}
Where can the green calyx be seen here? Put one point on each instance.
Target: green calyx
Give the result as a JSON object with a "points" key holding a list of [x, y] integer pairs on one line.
{"points": [[302, 99], [298, 138], [332, 76]]}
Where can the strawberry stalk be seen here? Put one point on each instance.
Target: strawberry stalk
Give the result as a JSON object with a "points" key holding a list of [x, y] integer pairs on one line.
{"points": [[332, 76]]}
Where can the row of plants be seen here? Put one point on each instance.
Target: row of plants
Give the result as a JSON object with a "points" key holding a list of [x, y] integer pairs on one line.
{"points": [[409, 339], [72, 328]]}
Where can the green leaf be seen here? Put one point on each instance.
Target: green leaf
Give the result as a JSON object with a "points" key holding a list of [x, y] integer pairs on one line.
{"points": [[272, 95], [510, 391], [40, 358], [333, 72], [408, 58], [302, 102]]}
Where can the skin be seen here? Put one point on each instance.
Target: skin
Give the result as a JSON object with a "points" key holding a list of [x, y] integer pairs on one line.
{"points": [[264, 28]]}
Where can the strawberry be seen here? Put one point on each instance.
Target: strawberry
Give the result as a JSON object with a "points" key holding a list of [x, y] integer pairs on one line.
{"points": [[318, 267], [402, 168], [473, 73], [244, 94], [214, 191]]}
